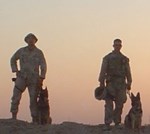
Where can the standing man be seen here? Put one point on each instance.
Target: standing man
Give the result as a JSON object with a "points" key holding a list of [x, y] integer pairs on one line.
{"points": [[115, 77], [30, 74]]}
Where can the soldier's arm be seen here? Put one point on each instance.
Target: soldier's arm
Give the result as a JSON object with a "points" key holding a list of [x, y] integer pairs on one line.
{"points": [[128, 73], [13, 61], [103, 71], [43, 65]]}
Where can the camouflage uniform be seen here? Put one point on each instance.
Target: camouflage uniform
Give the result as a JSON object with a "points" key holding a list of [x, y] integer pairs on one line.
{"points": [[27, 76], [115, 72]]}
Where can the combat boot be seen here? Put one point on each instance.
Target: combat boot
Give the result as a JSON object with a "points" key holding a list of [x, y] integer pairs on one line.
{"points": [[35, 120], [106, 127], [118, 126]]}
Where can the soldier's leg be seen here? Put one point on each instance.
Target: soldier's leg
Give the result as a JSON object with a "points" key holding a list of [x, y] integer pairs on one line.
{"points": [[17, 94], [118, 112], [108, 111], [33, 93], [108, 114], [119, 103]]}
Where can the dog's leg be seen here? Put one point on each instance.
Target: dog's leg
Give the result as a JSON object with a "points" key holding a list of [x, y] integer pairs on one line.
{"points": [[139, 124], [133, 124], [39, 117], [126, 121], [49, 120]]}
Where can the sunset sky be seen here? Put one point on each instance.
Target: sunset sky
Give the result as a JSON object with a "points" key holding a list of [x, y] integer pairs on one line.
{"points": [[75, 35]]}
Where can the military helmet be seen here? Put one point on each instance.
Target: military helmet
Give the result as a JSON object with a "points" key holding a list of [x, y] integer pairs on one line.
{"points": [[30, 35], [100, 93]]}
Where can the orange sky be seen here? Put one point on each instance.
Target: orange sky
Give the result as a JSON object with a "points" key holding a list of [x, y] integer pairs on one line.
{"points": [[74, 36]]}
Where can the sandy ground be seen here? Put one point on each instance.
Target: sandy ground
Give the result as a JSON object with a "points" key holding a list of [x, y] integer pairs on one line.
{"points": [[9, 126]]}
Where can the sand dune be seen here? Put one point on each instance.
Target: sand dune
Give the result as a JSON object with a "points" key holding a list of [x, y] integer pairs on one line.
{"points": [[9, 126]]}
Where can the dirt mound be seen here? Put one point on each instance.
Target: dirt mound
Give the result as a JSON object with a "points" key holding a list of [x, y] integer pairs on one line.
{"points": [[9, 126]]}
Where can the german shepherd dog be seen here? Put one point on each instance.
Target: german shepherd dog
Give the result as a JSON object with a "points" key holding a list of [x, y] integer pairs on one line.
{"points": [[43, 107], [133, 119]]}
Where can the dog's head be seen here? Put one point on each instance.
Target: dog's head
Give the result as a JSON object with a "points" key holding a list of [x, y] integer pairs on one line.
{"points": [[136, 101]]}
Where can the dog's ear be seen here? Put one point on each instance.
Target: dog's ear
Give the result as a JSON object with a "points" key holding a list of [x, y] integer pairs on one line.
{"points": [[138, 95], [132, 95]]}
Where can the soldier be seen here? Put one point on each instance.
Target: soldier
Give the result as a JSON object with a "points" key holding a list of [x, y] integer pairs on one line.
{"points": [[31, 75], [115, 77]]}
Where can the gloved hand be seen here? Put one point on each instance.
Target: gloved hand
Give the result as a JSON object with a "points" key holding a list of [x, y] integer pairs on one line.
{"points": [[128, 86], [40, 82]]}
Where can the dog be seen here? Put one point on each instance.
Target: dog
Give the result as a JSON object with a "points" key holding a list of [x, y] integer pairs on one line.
{"points": [[133, 119], [43, 107]]}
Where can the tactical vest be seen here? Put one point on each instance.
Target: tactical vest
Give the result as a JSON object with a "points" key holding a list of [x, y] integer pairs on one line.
{"points": [[116, 65]]}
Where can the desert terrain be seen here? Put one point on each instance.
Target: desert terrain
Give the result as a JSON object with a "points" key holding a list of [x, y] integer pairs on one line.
{"points": [[9, 126]]}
